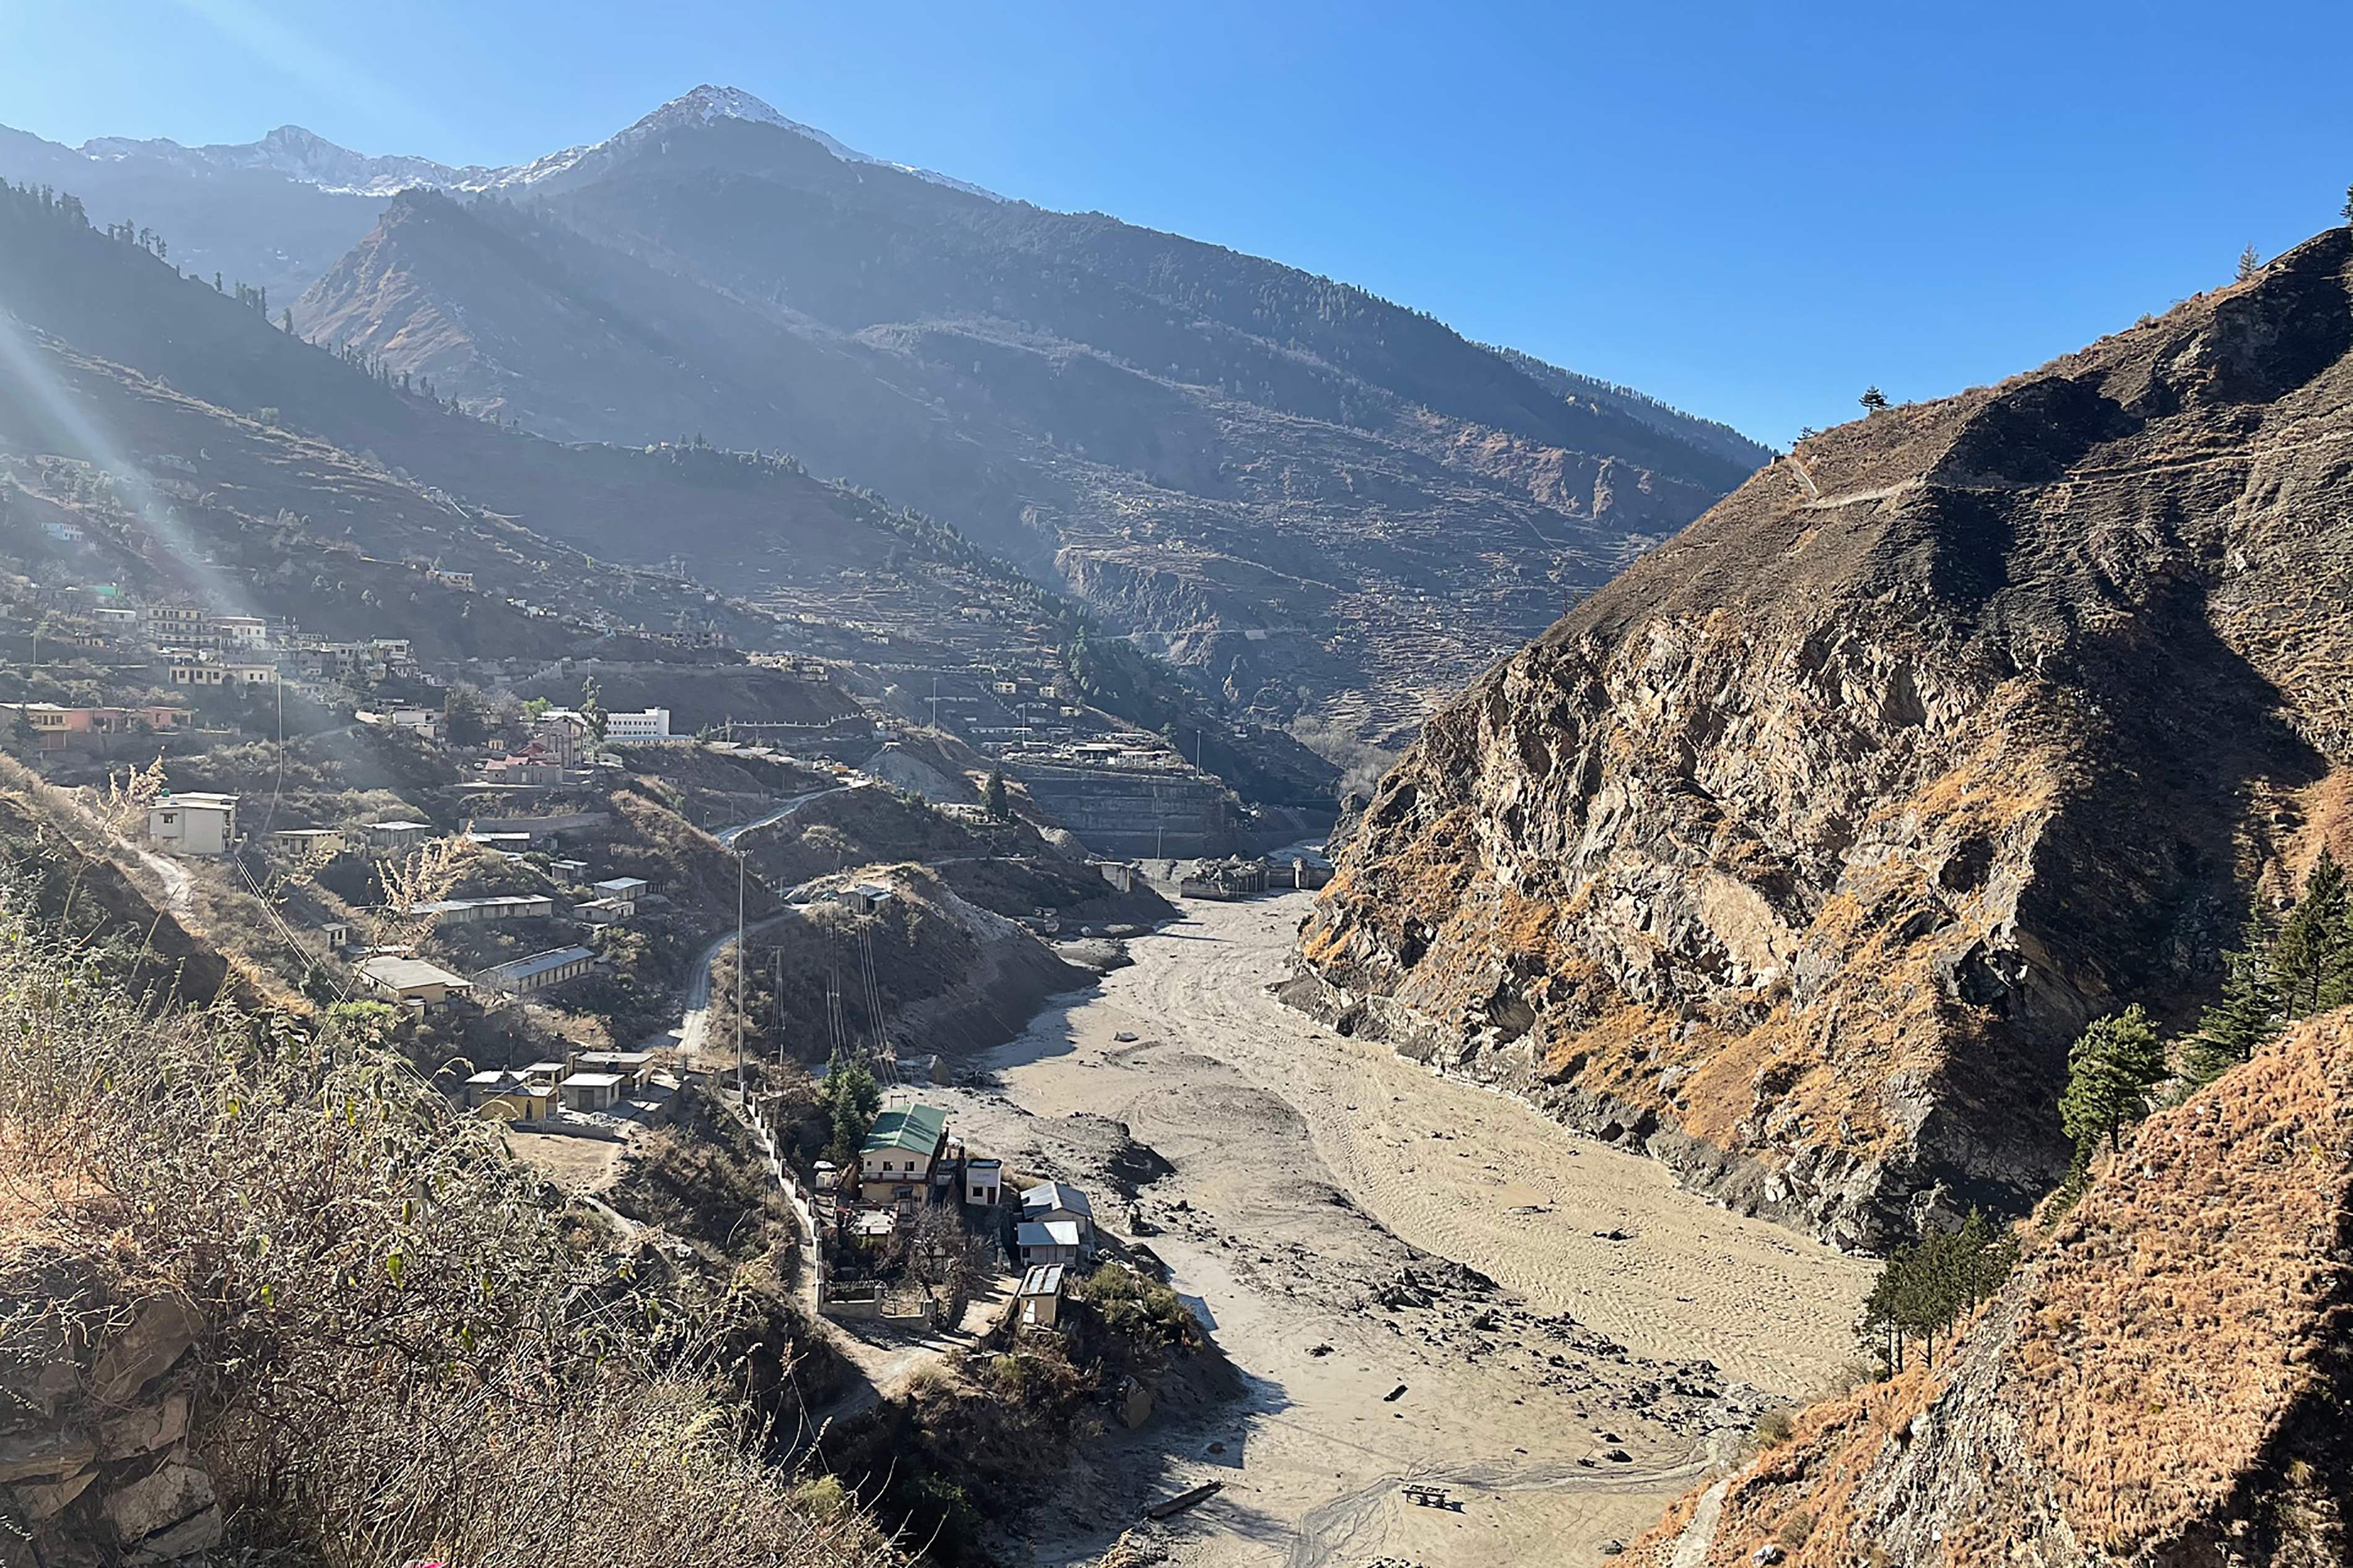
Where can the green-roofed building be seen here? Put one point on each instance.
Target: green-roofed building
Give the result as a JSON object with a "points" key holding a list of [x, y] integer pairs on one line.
{"points": [[899, 1154]]}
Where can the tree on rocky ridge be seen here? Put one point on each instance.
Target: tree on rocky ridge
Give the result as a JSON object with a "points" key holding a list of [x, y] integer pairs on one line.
{"points": [[994, 795], [2312, 958], [2247, 1018], [2110, 1071], [1872, 400], [2250, 263]]}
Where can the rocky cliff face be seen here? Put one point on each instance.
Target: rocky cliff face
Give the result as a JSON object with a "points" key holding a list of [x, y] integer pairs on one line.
{"points": [[94, 1435], [1799, 854], [2165, 1381]]}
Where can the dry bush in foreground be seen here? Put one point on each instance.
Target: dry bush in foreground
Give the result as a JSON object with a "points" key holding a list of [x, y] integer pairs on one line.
{"points": [[408, 1353]]}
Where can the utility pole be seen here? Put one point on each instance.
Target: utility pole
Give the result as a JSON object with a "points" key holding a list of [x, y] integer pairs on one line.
{"points": [[739, 977]]}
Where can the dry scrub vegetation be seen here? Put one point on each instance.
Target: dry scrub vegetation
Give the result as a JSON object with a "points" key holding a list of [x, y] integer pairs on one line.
{"points": [[409, 1352]]}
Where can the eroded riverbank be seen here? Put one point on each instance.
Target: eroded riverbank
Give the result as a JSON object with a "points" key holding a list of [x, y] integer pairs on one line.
{"points": [[1340, 1214]]}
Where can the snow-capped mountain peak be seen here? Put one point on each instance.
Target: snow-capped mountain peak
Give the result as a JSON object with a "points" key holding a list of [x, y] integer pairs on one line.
{"points": [[302, 155]]}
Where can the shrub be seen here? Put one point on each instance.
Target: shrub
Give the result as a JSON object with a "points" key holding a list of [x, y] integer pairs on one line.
{"points": [[411, 1352]]}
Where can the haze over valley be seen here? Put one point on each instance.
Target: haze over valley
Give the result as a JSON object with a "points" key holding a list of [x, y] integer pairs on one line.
{"points": [[716, 851]]}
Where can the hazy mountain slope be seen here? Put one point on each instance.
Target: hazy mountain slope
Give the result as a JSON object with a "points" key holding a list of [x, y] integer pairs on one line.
{"points": [[1708, 435], [253, 224], [114, 303], [2165, 1381], [1270, 477], [1800, 853], [1323, 502], [387, 482]]}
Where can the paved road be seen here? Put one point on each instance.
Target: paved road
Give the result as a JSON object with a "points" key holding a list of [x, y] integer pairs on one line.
{"points": [[689, 1034]]}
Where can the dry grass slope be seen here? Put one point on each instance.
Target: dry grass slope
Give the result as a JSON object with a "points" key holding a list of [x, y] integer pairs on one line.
{"points": [[2164, 1381]]}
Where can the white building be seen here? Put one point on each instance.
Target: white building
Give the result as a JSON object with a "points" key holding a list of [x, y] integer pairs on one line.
{"points": [[245, 632], [984, 1181], [193, 824], [652, 724]]}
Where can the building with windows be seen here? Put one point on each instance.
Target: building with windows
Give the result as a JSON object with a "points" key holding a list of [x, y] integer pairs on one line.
{"points": [[193, 824], [905, 1145], [411, 983], [651, 724], [57, 728], [541, 971]]}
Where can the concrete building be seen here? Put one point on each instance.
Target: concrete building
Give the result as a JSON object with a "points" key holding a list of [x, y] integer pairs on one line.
{"points": [[897, 1159], [651, 724], [984, 1181], [57, 728], [244, 633], [635, 1067], [419, 986], [309, 840], [522, 976], [396, 835], [193, 824], [1041, 1296], [591, 1092], [1122, 805]]}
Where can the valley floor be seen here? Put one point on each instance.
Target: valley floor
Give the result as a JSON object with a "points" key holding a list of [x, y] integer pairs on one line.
{"points": [[1353, 1225]]}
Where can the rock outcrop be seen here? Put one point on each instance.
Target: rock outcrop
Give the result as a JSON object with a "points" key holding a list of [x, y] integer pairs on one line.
{"points": [[2164, 1382], [95, 1452], [1800, 853]]}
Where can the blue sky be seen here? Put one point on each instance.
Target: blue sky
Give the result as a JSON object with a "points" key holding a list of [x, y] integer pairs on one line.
{"points": [[1751, 211]]}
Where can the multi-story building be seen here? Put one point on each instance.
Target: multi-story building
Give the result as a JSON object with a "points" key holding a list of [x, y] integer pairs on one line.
{"points": [[651, 724], [193, 824], [179, 626]]}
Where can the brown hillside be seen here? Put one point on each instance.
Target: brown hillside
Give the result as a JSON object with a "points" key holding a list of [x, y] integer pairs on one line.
{"points": [[1799, 854], [2164, 1383]]}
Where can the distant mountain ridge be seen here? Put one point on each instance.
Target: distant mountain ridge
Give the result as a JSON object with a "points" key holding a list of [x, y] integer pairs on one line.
{"points": [[309, 158], [1325, 504]]}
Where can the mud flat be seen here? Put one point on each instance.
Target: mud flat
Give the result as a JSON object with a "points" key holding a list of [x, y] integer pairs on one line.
{"points": [[1572, 1335]]}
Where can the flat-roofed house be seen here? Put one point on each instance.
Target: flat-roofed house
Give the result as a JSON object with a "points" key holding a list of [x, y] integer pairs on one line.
{"points": [[984, 1181], [417, 985], [193, 824], [309, 840], [589, 1091]]}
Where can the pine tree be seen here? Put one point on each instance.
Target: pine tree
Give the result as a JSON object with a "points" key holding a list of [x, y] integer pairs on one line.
{"points": [[2250, 263], [2247, 1018], [1872, 400], [2110, 1071], [2312, 959], [994, 796]]}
